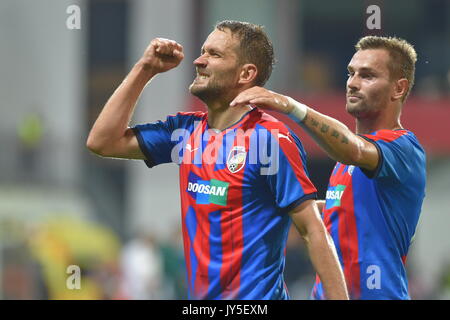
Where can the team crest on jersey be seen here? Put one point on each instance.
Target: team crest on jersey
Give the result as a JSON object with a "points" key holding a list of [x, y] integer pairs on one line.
{"points": [[236, 159], [350, 170]]}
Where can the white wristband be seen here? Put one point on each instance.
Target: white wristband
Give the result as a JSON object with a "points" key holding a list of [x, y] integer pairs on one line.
{"points": [[299, 110]]}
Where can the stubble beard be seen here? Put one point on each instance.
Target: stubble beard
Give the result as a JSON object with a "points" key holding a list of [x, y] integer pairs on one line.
{"points": [[212, 92], [362, 109], [356, 110], [205, 93]]}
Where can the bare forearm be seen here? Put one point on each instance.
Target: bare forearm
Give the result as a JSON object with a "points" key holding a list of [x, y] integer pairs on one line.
{"points": [[113, 120], [334, 137], [321, 249], [110, 135], [320, 204], [324, 258]]}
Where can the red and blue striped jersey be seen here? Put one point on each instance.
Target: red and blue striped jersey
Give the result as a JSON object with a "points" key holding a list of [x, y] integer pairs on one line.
{"points": [[237, 187], [372, 216]]}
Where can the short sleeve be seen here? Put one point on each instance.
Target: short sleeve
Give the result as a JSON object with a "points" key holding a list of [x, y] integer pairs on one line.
{"points": [[154, 141], [288, 177], [158, 140], [395, 158]]}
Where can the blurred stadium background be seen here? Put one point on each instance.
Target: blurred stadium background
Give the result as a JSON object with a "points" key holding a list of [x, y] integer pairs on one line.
{"points": [[118, 221]]}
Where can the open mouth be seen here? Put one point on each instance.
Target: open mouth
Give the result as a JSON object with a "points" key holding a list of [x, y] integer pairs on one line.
{"points": [[202, 75]]}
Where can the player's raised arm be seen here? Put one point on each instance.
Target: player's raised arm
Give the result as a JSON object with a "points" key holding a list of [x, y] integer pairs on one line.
{"points": [[321, 249], [333, 136], [110, 135]]}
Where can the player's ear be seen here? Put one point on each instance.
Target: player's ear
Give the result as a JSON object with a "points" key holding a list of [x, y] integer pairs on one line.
{"points": [[248, 73], [400, 88]]}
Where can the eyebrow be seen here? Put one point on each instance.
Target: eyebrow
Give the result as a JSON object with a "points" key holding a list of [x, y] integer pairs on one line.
{"points": [[210, 49], [363, 69]]}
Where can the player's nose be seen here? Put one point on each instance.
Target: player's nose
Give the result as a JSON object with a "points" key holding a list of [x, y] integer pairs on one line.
{"points": [[353, 83], [201, 61]]}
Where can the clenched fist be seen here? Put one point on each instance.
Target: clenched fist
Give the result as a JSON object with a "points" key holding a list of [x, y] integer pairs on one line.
{"points": [[162, 55]]}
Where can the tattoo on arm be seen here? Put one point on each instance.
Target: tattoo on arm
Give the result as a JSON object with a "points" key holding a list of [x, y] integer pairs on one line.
{"points": [[324, 128], [335, 134]]}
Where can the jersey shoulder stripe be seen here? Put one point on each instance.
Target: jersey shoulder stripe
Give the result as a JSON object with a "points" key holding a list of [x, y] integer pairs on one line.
{"points": [[386, 135], [271, 123], [196, 114]]}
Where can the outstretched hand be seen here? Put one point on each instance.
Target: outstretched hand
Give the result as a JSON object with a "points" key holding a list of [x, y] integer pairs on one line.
{"points": [[263, 98], [162, 55]]}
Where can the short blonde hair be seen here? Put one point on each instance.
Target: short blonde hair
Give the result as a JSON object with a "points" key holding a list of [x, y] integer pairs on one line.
{"points": [[402, 53]]}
